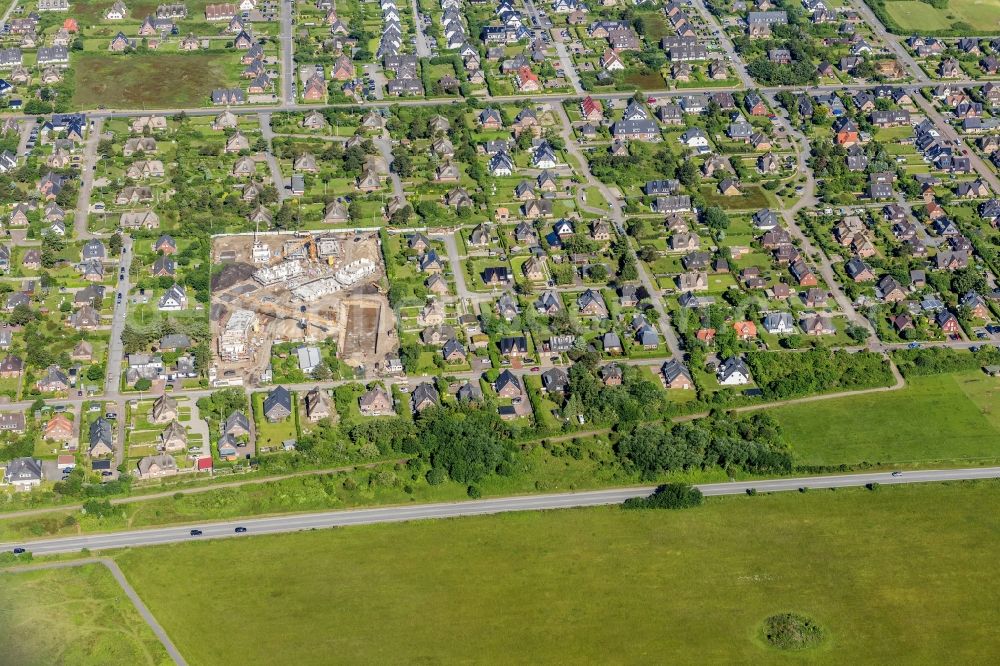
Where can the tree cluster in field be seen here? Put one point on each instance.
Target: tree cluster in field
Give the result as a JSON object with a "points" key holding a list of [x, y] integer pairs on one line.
{"points": [[636, 399], [939, 360], [817, 371], [668, 496], [751, 443]]}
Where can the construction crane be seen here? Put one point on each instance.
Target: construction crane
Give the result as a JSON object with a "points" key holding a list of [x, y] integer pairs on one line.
{"points": [[308, 242]]}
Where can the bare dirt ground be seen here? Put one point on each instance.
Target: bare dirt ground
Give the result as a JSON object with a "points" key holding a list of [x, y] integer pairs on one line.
{"points": [[356, 314]]}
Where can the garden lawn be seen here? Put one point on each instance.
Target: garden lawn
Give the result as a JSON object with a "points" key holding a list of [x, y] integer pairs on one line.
{"points": [[72, 616], [947, 418], [602, 585], [158, 80]]}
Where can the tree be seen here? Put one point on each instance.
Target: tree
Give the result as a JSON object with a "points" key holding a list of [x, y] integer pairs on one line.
{"points": [[688, 174], [115, 244], [715, 218], [966, 280], [142, 384], [21, 315], [857, 333], [598, 272], [409, 355], [468, 443]]}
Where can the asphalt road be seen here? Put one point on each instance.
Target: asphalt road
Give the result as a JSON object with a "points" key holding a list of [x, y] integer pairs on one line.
{"points": [[87, 179], [299, 522]]}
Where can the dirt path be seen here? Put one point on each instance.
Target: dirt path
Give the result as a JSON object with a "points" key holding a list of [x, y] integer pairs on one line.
{"points": [[899, 384], [130, 592]]}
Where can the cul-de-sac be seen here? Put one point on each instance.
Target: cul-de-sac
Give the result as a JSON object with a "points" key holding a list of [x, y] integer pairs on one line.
{"points": [[499, 331]]}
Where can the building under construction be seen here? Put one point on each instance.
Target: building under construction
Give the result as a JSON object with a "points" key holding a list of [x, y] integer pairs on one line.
{"points": [[305, 287]]}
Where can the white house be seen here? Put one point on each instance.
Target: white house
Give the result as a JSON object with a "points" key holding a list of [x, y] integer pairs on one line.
{"points": [[779, 323], [694, 138], [733, 372], [173, 299]]}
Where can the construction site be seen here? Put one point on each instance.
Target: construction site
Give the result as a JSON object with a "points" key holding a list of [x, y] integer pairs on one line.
{"points": [[304, 287]]}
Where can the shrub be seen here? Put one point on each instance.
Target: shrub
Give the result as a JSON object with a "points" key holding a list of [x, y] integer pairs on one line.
{"points": [[668, 496], [100, 508], [791, 631], [475, 492]]}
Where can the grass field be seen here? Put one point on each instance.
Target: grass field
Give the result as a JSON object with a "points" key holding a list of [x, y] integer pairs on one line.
{"points": [[982, 16], [161, 80], [899, 571], [954, 417], [72, 616]]}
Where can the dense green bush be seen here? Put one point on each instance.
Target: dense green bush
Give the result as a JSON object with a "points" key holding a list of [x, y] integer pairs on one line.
{"points": [[668, 496], [938, 360]]}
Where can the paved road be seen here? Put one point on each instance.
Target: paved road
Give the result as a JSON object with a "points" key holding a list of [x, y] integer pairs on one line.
{"points": [[116, 351], [126, 587], [87, 179], [809, 200], [727, 45], [567, 63], [465, 295], [378, 76], [892, 42], [384, 145], [287, 63], [423, 50], [499, 99], [617, 215], [22, 145], [10, 8], [118, 317], [272, 161], [948, 132], [299, 522]]}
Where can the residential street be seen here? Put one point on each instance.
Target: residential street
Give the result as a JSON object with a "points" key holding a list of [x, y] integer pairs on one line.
{"points": [[87, 179], [808, 200], [732, 57], [287, 62], [422, 48], [384, 145], [272, 161], [618, 217], [889, 39]]}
